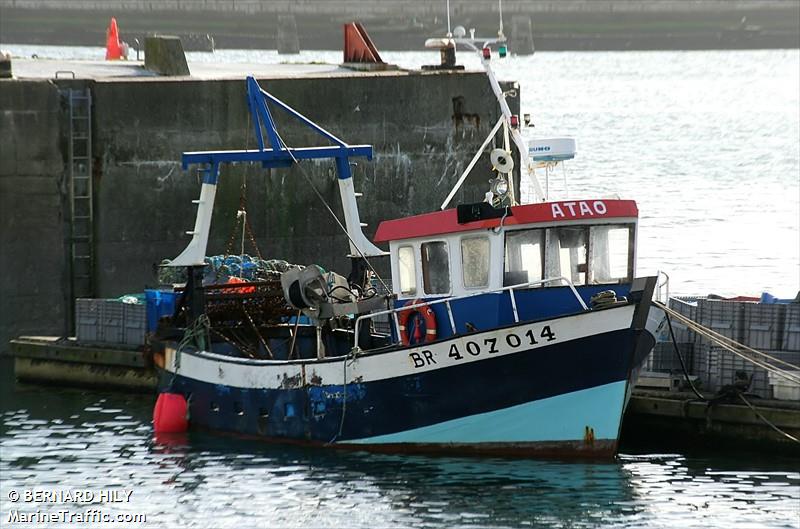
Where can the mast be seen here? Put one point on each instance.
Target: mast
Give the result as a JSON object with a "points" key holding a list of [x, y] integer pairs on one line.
{"points": [[277, 154], [482, 46]]}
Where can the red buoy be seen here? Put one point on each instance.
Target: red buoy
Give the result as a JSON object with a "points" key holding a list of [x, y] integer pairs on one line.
{"points": [[113, 45], [169, 415], [169, 443]]}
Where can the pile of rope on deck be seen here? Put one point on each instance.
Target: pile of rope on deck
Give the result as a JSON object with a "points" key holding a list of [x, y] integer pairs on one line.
{"points": [[607, 298]]}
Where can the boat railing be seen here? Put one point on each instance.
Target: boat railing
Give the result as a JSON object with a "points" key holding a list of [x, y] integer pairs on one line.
{"points": [[447, 302], [662, 287]]}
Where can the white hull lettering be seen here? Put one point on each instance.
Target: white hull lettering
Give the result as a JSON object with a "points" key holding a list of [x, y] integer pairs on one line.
{"points": [[422, 358], [600, 207], [581, 208], [473, 348]]}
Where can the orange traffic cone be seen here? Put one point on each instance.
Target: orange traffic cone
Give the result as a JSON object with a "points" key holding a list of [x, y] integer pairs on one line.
{"points": [[113, 46]]}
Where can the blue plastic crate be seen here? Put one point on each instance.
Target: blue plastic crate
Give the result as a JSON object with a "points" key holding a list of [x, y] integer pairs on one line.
{"points": [[159, 303]]}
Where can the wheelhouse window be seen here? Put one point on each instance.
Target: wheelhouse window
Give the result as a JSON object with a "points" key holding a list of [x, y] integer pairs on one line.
{"points": [[475, 261], [524, 257], [565, 254], [601, 254], [611, 259], [408, 272], [435, 268]]}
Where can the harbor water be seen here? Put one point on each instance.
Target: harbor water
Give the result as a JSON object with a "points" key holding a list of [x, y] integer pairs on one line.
{"points": [[708, 143], [68, 440]]}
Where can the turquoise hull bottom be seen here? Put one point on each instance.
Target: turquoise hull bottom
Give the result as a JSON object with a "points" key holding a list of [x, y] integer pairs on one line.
{"points": [[584, 422]]}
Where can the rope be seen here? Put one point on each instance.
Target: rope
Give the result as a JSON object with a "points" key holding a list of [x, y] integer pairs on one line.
{"points": [[723, 338], [680, 359], [344, 401], [197, 332], [246, 227], [711, 402], [731, 345], [325, 203], [198, 329], [771, 425], [715, 336]]}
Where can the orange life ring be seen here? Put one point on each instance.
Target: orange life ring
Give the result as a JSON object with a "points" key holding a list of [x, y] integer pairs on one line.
{"points": [[427, 316]]}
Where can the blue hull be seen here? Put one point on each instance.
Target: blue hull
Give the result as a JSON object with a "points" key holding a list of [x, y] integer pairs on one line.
{"points": [[561, 398]]}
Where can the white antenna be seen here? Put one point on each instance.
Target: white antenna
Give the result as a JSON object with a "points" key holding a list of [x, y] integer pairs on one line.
{"points": [[449, 33], [500, 7]]}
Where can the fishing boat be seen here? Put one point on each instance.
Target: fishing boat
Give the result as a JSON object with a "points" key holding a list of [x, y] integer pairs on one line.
{"points": [[506, 328]]}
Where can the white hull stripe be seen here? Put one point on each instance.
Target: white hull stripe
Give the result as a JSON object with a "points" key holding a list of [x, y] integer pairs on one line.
{"points": [[478, 347]]}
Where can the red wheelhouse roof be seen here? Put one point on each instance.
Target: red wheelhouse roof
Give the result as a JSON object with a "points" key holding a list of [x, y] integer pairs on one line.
{"points": [[444, 222]]}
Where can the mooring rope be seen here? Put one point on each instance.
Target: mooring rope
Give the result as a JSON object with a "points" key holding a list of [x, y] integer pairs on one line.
{"points": [[680, 358], [759, 415], [731, 345], [771, 425], [721, 338]]}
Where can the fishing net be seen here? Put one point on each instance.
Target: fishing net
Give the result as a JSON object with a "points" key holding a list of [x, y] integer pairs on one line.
{"points": [[220, 268]]}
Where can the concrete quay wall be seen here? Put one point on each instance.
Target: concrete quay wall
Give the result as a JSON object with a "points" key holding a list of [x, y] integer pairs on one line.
{"points": [[34, 280], [424, 127]]}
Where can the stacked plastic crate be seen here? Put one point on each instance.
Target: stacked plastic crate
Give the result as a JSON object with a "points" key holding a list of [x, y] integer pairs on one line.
{"points": [[725, 318], [88, 320], [663, 358], [768, 328], [791, 328], [109, 321], [790, 345]]}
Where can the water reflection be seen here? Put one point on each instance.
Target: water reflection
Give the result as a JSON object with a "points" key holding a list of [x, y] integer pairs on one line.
{"points": [[679, 491], [68, 439], [322, 486]]}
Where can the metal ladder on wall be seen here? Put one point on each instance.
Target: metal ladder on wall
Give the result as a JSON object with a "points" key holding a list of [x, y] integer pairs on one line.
{"points": [[80, 192]]}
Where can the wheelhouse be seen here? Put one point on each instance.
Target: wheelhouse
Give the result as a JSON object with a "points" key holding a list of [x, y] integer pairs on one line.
{"points": [[587, 242]]}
